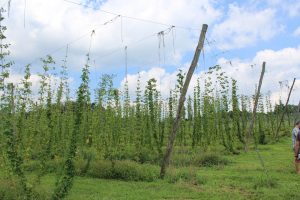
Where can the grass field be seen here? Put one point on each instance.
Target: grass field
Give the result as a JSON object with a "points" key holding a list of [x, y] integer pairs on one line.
{"points": [[243, 178]]}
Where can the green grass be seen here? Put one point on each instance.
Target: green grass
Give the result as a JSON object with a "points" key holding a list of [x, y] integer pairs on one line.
{"points": [[242, 178]]}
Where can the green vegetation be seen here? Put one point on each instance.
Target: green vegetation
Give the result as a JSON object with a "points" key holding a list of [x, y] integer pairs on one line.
{"points": [[53, 147], [241, 178]]}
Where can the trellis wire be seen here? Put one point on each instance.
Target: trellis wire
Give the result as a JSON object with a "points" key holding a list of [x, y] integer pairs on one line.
{"points": [[130, 17]]}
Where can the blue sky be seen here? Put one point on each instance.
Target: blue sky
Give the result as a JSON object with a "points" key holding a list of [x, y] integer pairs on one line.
{"points": [[243, 33]]}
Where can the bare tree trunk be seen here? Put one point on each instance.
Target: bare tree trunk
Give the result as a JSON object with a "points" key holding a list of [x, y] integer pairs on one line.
{"points": [[166, 158], [285, 110], [250, 131]]}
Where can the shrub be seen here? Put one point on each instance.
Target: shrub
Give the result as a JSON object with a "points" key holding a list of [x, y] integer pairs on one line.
{"points": [[209, 160], [197, 159], [51, 166], [183, 174], [182, 160], [121, 170], [10, 189], [100, 169]]}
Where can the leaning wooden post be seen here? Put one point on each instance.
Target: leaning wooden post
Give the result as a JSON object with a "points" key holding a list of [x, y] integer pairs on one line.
{"points": [[285, 110], [250, 131], [184, 89]]}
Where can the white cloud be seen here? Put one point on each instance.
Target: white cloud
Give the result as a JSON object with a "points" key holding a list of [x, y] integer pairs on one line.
{"points": [[35, 79], [17, 78], [297, 32], [52, 24], [280, 66], [244, 27], [165, 81], [293, 9], [290, 7]]}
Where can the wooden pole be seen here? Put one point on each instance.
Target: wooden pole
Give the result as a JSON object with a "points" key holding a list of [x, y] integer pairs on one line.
{"points": [[285, 110], [250, 131], [166, 158]]}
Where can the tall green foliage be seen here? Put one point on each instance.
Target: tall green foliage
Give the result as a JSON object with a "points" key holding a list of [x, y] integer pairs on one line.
{"points": [[116, 125], [65, 182]]}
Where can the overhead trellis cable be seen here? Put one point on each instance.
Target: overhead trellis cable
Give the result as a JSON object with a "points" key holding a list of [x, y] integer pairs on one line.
{"points": [[126, 67], [112, 20], [117, 49], [92, 34], [159, 35], [24, 18], [79, 38], [89, 52], [134, 18], [173, 38], [161, 42], [8, 7], [121, 21], [66, 57], [164, 48]]}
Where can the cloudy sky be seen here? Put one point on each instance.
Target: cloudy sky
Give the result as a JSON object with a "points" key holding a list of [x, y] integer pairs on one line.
{"points": [[241, 35]]}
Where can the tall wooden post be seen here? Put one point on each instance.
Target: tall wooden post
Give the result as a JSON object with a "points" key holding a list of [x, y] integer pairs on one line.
{"points": [[166, 158], [285, 110], [250, 131]]}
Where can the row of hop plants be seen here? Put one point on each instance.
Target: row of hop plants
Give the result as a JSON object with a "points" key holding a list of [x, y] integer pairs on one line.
{"points": [[116, 126]]}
